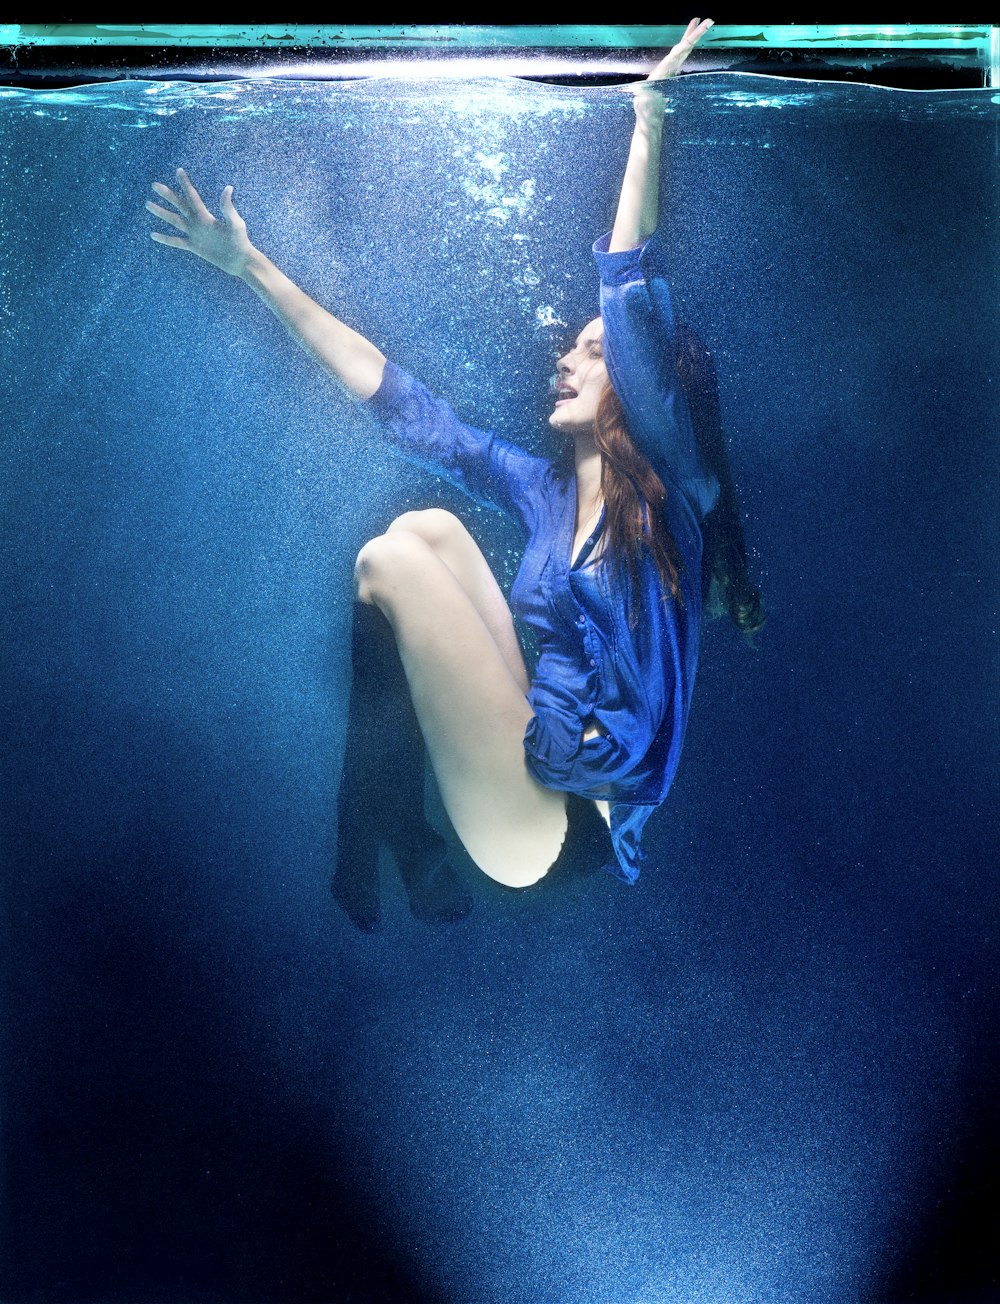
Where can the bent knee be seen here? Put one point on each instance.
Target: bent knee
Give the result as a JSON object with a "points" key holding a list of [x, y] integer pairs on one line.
{"points": [[383, 559], [434, 525]]}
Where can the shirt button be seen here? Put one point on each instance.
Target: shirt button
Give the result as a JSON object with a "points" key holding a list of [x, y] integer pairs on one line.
{"points": [[592, 663], [581, 619]]}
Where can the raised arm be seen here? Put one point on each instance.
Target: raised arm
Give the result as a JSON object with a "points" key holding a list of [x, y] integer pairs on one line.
{"points": [[351, 359], [637, 309], [637, 212]]}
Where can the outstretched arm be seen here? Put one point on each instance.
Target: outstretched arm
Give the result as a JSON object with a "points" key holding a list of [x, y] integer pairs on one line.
{"points": [[422, 428], [351, 359], [637, 213]]}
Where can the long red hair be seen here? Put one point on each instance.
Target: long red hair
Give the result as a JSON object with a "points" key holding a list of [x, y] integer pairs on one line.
{"points": [[634, 498]]}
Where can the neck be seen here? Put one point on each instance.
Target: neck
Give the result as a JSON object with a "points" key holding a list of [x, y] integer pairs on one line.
{"points": [[588, 475]]}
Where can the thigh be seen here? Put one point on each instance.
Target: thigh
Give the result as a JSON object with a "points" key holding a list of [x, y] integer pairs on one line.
{"points": [[456, 547], [472, 711]]}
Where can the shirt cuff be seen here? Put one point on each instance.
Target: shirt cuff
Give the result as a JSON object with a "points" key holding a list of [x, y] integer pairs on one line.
{"points": [[395, 386], [627, 264]]}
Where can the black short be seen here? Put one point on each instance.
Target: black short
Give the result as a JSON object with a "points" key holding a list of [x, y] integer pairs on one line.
{"points": [[588, 846], [586, 849]]}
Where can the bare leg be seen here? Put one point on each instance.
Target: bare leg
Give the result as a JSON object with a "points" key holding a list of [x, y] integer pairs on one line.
{"points": [[456, 547], [471, 706]]}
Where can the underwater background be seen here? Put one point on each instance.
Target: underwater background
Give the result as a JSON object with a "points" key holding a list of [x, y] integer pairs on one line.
{"points": [[765, 1073]]}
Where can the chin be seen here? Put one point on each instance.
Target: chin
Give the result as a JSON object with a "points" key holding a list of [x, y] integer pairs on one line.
{"points": [[558, 417], [571, 430]]}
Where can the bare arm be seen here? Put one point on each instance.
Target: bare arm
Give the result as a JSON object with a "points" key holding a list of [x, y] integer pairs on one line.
{"points": [[350, 358], [637, 212]]}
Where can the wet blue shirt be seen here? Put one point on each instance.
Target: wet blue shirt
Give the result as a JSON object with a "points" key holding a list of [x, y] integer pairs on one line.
{"points": [[632, 684]]}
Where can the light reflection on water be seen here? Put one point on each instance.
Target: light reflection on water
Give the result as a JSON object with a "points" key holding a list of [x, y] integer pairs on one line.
{"points": [[729, 93]]}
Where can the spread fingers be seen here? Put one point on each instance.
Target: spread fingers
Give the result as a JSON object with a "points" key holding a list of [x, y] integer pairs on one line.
{"points": [[172, 197], [165, 215], [194, 200], [175, 241]]}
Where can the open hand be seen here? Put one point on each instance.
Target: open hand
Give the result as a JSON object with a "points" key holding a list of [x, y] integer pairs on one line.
{"points": [[646, 100], [674, 59], [223, 242]]}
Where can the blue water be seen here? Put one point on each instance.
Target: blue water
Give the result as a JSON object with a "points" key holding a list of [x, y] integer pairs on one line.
{"points": [[765, 1073]]}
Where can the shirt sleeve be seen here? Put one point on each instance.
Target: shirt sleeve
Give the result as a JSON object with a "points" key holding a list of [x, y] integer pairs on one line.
{"points": [[426, 431], [640, 352]]}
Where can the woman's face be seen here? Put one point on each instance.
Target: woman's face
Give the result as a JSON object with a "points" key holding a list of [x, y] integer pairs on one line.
{"points": [[581, 376]]}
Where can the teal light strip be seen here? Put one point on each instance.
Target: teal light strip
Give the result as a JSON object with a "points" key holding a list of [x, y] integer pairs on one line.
{"points": [[273, 36]]}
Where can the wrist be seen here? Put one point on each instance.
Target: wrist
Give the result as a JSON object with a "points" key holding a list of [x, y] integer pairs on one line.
{"points": [[650, 110], [254, 267]]}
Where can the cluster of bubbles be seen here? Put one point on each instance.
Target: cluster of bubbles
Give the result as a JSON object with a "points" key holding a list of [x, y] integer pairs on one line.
{"points": [[509, 207], [496, 193]]}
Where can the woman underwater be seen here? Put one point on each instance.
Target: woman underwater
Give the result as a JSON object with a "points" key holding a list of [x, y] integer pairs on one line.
{"points": [[569, 763]]}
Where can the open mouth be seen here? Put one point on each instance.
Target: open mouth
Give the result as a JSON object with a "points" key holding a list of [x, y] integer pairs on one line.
{"points": [[564, 392]]}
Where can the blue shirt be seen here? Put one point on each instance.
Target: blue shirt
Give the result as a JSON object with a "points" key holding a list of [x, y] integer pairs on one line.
{"points": [[634, 684]]}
